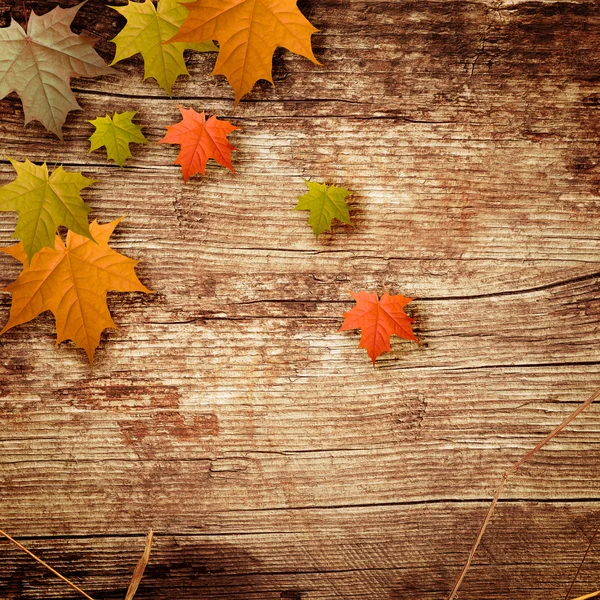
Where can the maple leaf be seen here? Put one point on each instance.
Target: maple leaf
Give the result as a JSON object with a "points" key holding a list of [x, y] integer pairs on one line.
{"points": [[248, 32], [200, 139], [116, 133], [379, 319], [72, 280], [38, 65], [147, 30], [44, 202], [325, 203]]}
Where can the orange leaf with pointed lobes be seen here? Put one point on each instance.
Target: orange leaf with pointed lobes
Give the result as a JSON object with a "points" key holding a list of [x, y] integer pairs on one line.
{"points": [[200, 139], [379, 320], [71, 280], [248, 32]]}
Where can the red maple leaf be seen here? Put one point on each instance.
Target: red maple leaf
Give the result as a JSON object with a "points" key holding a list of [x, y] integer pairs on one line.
{"points": [[200, 140], [379, 320]]}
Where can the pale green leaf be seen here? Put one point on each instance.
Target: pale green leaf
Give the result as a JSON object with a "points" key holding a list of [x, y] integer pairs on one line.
{"points": [[38, 64], [325, 204], [148, 27], [115, 134], [44, 202]]}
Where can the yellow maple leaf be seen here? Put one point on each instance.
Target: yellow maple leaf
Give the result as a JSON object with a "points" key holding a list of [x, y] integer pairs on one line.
{"points": [[248, 32], [71, 280]]}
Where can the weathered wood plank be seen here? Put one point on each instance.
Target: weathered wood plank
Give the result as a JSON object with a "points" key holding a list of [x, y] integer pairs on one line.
{"points": [[227, 413], [321, 554], [281, 336], [248, 441]]}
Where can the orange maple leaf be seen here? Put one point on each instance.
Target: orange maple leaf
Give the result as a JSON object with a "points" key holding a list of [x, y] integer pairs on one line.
{"points": [[72, 280], [200, 140], [248, 32], [379, 320]]}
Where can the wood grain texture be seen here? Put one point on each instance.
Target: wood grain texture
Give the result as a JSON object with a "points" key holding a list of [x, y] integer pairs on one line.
{"points": [[227, 413]]}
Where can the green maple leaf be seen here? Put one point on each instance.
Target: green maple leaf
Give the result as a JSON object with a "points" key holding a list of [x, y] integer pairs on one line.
{"points": [[116, 133], [44, 202], [38, 64], [147, 29], [325, 204]]}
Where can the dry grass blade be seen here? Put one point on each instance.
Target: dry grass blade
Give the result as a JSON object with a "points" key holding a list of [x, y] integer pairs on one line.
{"points": [[588, 596], [587, 550], [505, 476], [140, 568], [18, 545]]}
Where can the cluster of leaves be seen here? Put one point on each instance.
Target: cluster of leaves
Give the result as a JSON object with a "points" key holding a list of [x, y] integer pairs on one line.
{"points": [[69, 279], [72, 278], [38, 63]]}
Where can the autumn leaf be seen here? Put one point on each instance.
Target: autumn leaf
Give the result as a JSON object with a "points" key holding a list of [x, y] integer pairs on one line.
{"points": [[71, 280], [44, 202], [38, 65], [325, 204], [148, 28], [248, 32], [115, 134], [379, 319], [200, 139]]}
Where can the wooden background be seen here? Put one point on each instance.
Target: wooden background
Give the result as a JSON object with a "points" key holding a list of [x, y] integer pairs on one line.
{"points": [[271, 458]]}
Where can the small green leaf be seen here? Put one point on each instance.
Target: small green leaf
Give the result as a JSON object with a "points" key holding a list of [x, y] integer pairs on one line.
{"points": [[116, 133], [43, 203], [147, 29], [325, 203]]}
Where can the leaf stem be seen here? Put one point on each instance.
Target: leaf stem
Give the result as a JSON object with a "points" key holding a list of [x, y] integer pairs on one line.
{"points": [[10, 539], [25, 16], [505, 476]]}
